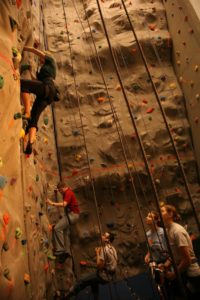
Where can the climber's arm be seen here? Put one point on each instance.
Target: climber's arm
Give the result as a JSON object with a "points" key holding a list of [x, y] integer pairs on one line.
{"points": [[58, 204], [37, 52]]}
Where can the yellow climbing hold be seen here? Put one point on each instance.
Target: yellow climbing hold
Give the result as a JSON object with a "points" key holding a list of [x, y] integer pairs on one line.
{"points": [[196, 68], [172, 86], [78, 157], [1, 162], [22, 133], [118, 87], [46, 140]]}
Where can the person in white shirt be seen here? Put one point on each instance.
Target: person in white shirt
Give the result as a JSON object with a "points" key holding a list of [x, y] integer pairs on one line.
{"points": [[106, 264], [183, 254]]}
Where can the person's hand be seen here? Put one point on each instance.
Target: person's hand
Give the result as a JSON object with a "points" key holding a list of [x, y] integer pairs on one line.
{"points": [[48, 201], [97, 250], [147, 259], [170, 275]]}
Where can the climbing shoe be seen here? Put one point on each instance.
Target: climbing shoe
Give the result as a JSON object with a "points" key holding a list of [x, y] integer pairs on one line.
{"points": [[29, 148], [62, 257]]}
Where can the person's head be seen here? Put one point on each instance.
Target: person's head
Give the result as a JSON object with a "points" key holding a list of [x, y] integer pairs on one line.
{"points": [[108, 237], [61, 187], [152, 218], [169, 214]]}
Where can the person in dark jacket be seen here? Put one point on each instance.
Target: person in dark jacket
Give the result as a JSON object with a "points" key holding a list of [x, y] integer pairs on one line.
{"points": [[45, 90]]}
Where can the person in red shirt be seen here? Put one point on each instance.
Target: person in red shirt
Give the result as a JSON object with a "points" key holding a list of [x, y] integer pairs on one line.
{"points": [[71, 215]]}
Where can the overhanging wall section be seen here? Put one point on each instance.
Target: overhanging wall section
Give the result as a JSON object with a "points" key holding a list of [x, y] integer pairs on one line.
{"points": [[184, 25]]}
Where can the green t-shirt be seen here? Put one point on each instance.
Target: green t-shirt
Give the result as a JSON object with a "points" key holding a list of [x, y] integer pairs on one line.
{"points": [[48, 69]]}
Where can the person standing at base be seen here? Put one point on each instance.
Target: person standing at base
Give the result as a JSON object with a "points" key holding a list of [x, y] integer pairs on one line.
{"points": [[158, 249], [184, 256], [106, 264], [71, 216]]}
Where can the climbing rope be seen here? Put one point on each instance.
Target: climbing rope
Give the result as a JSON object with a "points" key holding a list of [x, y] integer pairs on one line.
{"points": [[163, 115]]}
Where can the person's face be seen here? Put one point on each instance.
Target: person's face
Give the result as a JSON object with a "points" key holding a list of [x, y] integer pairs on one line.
{"points": [[150, 219], [105, 237], [165, 215]]}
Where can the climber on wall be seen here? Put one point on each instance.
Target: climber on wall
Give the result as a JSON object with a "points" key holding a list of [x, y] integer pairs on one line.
{"points": [[71, 215], [46, 93], [106, 264]]}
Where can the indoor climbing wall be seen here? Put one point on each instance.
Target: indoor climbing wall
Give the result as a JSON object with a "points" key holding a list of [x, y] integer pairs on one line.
{"points": [[26, 267], [95, 134], [184, 23]]}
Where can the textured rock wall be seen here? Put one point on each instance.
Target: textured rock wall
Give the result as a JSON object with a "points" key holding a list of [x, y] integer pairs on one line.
{"points": [[30, 180], [70, 39], [25, 238], [183, 19]]}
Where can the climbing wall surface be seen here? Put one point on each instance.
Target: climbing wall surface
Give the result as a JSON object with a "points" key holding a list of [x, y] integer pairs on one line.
{"points": [[72, 31], [89, 112], [25, 182], [184, 25]]}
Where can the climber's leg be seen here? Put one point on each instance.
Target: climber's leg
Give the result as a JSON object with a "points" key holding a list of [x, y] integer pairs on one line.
{"points": [[58, 235], [26, 99]]}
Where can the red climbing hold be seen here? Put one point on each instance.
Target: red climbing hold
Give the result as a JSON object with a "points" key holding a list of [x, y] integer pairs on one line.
{"points": [[6, 218], [144, 101], [19, 3], [150, 110], [196, 120]]}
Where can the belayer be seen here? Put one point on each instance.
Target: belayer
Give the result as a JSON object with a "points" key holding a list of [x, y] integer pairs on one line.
{"points": [[45, 90]]}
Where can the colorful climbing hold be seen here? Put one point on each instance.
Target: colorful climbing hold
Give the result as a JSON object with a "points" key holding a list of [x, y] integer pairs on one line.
{"points": [[150, 110], [118, 87], [3, 182], [78, 157], [6, 274], [46, 120], [23, 242], [37, 178], [1, 162], [101, 99], [197, 96], [26, 278], [152, 26], [1, 81], [196, 120], [172, 86], [6, 218], [196, 68], [19, 3], [5, 246], [17, 115], [76, 132], [13, 23], [22, 133], [18, 233], [51, 256]]}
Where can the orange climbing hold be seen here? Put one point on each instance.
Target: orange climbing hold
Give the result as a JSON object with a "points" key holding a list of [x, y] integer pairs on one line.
{"points": [[152, 26], [6, 218], [101, 99], [150, 110], [133, 50]]}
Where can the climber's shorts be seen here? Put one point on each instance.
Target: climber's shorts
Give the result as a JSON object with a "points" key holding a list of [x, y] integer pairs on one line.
{"points": [[45, 92]]}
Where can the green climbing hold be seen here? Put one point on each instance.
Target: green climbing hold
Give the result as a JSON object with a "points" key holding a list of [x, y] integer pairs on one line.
{"points": [[37, 178], [51, 256], [17, 115], [5, 246], [3, 182], [13, 23], [6, 274], [46, 120], [18, 233], [14, 51], [1, 82]]}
